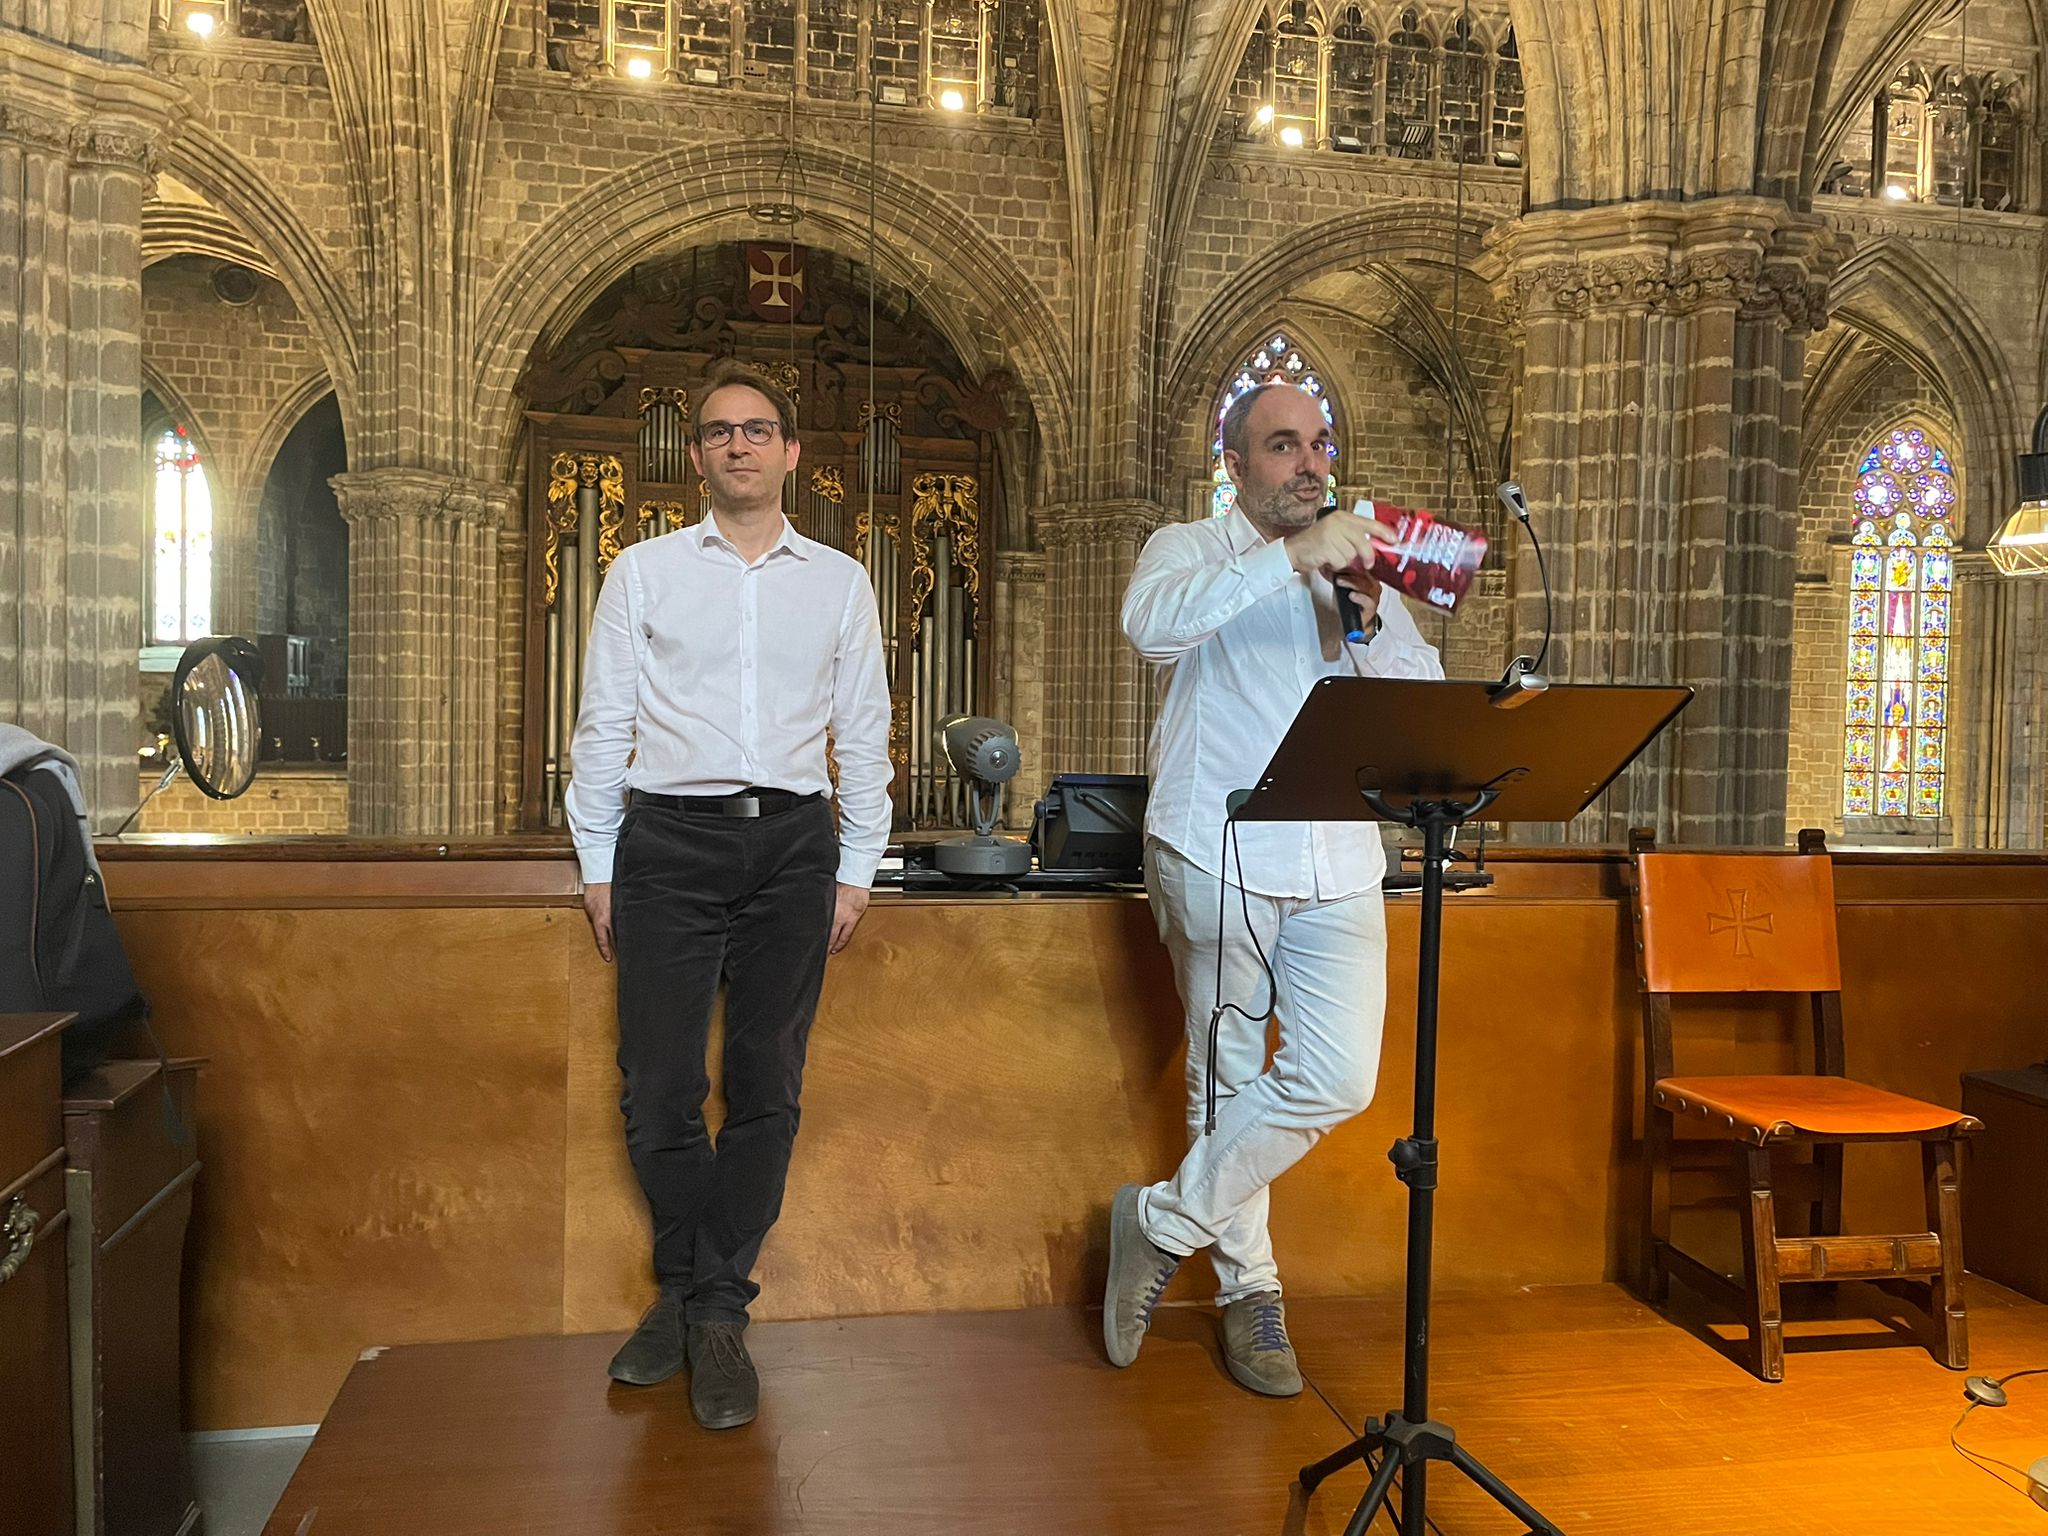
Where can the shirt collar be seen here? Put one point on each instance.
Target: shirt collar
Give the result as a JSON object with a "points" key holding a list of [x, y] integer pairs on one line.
{"points": [[1241, 532], [792, 541]]}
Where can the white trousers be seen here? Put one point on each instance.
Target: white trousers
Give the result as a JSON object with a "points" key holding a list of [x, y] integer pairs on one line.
{"points": [[1329, 963]]}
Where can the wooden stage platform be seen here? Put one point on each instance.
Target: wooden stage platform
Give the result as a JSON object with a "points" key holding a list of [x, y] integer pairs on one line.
{"points": [[1612, 1420]]}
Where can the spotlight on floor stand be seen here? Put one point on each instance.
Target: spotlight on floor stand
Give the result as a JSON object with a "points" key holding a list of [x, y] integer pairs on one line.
{"points": [[984, 753]]}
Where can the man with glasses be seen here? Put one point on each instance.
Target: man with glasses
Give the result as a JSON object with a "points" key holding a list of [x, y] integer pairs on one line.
{"points": [[719, 658], [1240, 615]]}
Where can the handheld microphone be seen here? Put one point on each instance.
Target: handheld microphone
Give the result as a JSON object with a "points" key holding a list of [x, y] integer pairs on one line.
{"points": [[1524, 678], [1348, 613]]}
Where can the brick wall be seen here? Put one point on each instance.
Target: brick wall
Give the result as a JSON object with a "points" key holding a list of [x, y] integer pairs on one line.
{"points": [[230, 369], [283, 802]]}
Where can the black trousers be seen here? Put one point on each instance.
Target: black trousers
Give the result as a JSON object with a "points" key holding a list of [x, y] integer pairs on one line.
{"points": [[699, 899]]}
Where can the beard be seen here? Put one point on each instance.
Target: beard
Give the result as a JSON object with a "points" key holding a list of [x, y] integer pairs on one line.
{"points": [[1292, 504]]}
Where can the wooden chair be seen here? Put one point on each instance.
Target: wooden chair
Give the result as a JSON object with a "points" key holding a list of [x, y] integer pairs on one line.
{"points": [[1725, 923]]}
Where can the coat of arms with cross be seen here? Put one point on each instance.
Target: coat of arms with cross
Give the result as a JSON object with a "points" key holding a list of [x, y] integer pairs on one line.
{"points": [[775, 281]]}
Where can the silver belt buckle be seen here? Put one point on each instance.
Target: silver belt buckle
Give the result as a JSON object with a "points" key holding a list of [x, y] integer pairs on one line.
{"points": [[744, 805]]}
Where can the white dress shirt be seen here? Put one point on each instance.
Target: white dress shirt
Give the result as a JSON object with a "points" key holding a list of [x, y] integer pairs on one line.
{"points": [[1240, 637], [712, 674]]}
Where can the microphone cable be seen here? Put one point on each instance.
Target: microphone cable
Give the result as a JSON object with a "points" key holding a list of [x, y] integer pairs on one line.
{"points": [[1227, 854]]}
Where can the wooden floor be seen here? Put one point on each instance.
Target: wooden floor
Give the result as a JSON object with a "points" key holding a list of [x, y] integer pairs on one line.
{"points": [[1605, 1415]]}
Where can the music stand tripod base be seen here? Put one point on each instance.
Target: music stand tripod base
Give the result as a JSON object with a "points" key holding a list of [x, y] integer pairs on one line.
{"points": [[1433, 755], [1407, 1445]]}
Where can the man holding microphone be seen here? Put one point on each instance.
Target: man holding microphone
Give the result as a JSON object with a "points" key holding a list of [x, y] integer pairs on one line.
{"points": [[1242, 617]]}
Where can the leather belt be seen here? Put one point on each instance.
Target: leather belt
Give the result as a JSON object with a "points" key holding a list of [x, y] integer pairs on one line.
{"points": [[748, 802]]}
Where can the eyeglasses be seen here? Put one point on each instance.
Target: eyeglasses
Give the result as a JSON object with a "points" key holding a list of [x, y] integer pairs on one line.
{"points": [[716, 434]]}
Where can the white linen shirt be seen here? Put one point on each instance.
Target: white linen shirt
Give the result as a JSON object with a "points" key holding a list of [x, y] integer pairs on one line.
{"points": [[1240, 637], [710, 674]]}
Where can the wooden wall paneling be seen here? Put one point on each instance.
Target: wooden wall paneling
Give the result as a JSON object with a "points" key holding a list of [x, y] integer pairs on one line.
{"points": [[419, 1102], [382, 1115]]}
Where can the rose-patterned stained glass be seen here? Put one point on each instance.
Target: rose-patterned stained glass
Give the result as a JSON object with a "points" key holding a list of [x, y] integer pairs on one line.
{"points": [[1901, 569], [1275, 360], [181, 562]]}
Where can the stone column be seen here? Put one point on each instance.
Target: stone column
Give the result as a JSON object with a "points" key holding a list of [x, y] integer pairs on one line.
{"points": [[1998, 706], [511, 684], [1019, 680], [1098, 693], [75, 137], [1659, 445], [422, 661]]}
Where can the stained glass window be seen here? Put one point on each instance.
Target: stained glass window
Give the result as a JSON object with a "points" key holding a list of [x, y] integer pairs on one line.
{"points": [[1901, 570], [1275, 360], [181, 567]]}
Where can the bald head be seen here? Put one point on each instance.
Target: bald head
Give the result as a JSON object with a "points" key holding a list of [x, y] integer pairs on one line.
{"points": [[1281, 464]]}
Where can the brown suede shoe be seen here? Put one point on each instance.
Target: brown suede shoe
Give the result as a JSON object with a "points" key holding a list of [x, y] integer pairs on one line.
{"points": [[1255, 1346]]}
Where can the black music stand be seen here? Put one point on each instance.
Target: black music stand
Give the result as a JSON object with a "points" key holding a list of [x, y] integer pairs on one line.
{"points": [[1433, 755]]}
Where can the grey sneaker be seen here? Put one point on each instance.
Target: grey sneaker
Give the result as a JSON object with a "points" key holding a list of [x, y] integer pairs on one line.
{"points": [[1138, 1273], [655, 1351], [725, 1392], [1255, 1346]]}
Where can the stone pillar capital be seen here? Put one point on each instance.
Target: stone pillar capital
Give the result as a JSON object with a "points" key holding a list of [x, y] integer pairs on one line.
{"points": [[90, 111], [1100, 522], [1753, 255], [1025, 566], [421, 494]]}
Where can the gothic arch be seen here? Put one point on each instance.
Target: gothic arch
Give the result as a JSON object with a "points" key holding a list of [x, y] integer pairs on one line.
{"points": [[202, 160], [1424, 232], [1889, 290], [178, 412], [989, 310], [1191, 439], [1834, 382], [270, 440], [182, 229]]}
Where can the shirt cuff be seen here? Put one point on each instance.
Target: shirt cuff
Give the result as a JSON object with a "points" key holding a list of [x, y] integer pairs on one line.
{"points": [[858, 868], [596, 863]]}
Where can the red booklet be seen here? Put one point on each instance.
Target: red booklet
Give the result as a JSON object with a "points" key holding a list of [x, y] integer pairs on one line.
{"points": [[1432, 559]]}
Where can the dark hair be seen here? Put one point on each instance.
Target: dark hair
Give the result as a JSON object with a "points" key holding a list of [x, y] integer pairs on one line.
{"points": [[1237, 421], [728, 374]]}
